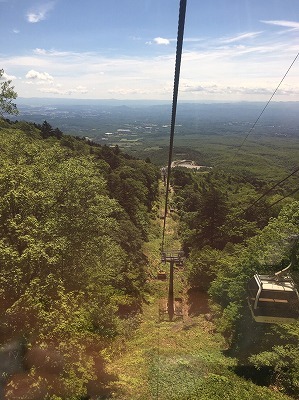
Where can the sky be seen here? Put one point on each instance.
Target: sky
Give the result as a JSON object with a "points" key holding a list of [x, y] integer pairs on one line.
{"points": [[234, 50]]}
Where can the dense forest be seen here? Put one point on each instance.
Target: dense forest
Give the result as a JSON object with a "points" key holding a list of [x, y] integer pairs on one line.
{"points": [[228, 238], [73, 219]]}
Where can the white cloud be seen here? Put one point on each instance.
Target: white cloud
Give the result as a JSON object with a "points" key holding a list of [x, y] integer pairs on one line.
{"points": [[40, 52], [16, 31], [58, 90], [6, 77], [41, 76], [208, 89], [229, 66], [51, 53], [242, 36], [40, 13], [35, 17], [52, 90], [81, 89], [125, 92], [286, 24], [159, 40]]}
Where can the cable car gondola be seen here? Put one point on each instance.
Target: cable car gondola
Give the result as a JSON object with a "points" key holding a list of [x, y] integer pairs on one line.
{"points": [[274, 298], [273, 301]]}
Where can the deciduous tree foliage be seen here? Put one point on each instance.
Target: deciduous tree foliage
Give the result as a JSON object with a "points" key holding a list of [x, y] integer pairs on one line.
{"points": [[226, 247], [7, 95], [70, 248], [210, 206], [265, 253]]}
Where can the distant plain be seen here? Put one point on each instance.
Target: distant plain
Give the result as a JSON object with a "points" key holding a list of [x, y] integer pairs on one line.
{"points": [[212, 134]]}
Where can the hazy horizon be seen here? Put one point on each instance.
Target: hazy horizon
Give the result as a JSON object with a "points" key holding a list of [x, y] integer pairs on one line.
{"points": [[79, 101]]}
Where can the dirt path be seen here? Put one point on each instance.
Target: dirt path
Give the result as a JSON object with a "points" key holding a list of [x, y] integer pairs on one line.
{"points": [[159, 353], [156, 356]]}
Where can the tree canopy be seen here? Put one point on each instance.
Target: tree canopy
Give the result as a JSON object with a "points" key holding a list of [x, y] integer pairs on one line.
{"points": [[227, 243], [7, 95], [70, 245]]}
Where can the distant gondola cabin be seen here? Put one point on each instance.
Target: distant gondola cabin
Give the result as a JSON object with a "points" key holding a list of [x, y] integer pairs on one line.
{"points": [[272, 300]]}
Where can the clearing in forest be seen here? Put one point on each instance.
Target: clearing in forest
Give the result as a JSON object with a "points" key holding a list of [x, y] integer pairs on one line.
{"points": [[177, 360]]}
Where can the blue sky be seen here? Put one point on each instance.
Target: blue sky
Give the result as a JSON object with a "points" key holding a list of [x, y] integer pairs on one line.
{"points": [[124, 49]]}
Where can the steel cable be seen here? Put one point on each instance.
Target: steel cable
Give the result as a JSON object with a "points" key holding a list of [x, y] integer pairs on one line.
{"points": [[179, 48]]}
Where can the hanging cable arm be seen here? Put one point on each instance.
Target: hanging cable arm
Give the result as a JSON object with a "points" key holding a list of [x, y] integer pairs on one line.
{"points": [[180, 37]]}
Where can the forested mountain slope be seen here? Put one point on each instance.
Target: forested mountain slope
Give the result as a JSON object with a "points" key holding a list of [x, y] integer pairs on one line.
{"points": [[73, 217], [79, 297], [229, 237]]}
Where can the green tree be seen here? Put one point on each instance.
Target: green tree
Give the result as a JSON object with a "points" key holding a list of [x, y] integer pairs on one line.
{"points": [[210, 218], [7, 95], [134, 185], [266, 253], [46, 130], [70, 249]]}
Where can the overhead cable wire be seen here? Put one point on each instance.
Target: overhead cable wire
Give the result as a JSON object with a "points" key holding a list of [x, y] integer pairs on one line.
{"points": [[262, 112], [179, 48], [287, 195], [271, 188], [243, 211]]}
